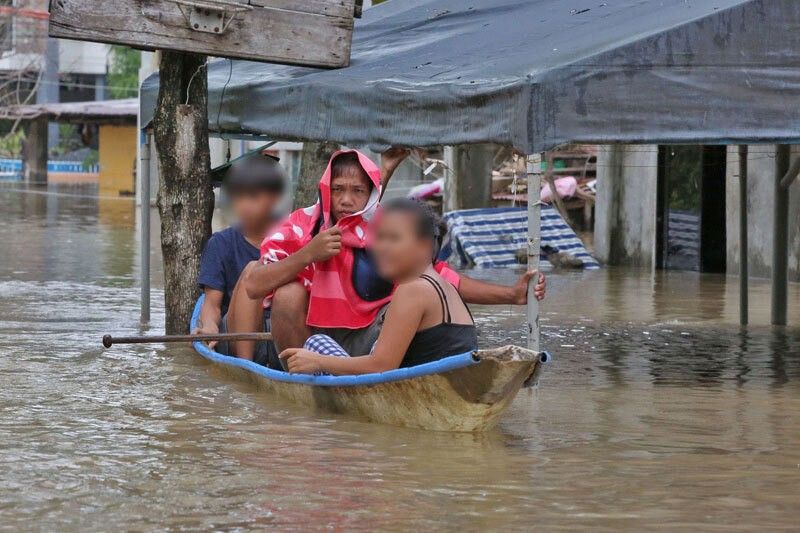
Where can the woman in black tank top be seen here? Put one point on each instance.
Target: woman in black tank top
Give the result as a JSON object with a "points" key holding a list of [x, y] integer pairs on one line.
{"points": [[426, 319]]}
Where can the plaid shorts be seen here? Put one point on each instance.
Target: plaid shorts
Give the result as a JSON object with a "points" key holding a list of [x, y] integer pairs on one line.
{"points": [[323, 344]]}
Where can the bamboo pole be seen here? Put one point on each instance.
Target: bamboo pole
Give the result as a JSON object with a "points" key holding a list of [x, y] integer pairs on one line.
{"points": [[534, 166]]}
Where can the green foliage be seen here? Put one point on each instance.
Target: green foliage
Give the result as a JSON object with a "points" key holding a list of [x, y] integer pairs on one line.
{"points": [[69, 139], [11, 144], [685, 173], [92, 158], [123, 73]]}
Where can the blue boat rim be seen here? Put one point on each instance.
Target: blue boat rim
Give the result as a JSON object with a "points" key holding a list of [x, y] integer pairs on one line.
{"points": [[453, 362]]}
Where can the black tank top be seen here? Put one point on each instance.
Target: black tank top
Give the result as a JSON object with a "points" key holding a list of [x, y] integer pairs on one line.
{"points": [[441, 340]]}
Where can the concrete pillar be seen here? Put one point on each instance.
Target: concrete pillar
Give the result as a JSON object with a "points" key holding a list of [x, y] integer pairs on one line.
{"points": [[34, 153], [760, 191], [469, 178], [625, 210], [47, 91]]}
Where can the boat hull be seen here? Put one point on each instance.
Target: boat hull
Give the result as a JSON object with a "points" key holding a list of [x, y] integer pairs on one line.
{"points": [[467, 392]]}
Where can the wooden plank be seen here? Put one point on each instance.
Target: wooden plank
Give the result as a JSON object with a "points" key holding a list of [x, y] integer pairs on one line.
{"points": [[331, 8], [299, 36]]}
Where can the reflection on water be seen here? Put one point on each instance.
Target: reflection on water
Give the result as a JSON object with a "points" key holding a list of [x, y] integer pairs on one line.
{"points": [[658, 409]]}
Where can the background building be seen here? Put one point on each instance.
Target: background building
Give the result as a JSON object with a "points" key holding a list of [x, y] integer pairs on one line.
{"points": [[677, 207]]}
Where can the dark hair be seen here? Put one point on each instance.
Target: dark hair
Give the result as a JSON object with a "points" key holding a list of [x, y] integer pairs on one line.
{"points": [[256, 172], [347, 163], [429, 225]]}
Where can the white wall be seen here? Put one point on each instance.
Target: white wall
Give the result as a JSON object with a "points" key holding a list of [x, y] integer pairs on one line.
{"points": [[760, 192], [78, 57], [625, 212]]}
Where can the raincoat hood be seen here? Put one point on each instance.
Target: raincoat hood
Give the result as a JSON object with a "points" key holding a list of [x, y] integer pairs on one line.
{"points": [[374, 174]]}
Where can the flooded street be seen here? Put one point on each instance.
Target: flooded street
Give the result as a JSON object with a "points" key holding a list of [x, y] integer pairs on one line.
{"points": [[657, 410]]}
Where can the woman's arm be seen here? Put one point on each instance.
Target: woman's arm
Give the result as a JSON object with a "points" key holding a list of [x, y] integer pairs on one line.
{"points": [[480, 292], [403, 318], [210, 314]]}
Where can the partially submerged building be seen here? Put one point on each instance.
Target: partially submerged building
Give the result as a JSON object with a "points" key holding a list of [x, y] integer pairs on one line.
{"points": [[678, 207], [111, 122]]}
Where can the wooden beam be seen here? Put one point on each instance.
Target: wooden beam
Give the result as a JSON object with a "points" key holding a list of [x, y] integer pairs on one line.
{"points": [[315, 33], [331, 8]]}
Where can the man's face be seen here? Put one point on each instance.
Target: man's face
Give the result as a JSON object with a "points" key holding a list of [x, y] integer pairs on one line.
{"points": [[350, 192]]}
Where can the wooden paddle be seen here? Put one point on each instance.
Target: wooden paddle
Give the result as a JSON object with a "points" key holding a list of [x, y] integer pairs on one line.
{"points": [[108, 340]]}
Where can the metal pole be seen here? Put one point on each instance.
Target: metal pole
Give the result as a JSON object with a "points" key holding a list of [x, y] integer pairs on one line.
{"points": [[780, 241], [743, 245], [144, 250], [534, 165]]}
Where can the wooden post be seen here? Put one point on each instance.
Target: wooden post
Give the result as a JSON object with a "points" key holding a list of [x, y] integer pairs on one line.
{"points": [[780, 240], [185, 198], [313, 162], [34, 152], [451, 200], [743, 245], [558, 203], [534, 244], [469, 176]]}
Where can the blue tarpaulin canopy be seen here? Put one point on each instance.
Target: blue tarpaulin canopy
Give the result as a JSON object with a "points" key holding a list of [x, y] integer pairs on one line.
{"points": [[532, 74]]}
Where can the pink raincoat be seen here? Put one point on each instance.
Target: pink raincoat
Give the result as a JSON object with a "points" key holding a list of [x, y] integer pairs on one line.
{"points": [[333, 301]]}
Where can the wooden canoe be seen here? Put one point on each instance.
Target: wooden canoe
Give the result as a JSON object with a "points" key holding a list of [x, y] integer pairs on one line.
{"points": [[467, 392]]}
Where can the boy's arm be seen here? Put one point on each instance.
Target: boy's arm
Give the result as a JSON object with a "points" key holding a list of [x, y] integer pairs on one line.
{"points": [[210, 314], [480, 292], [260, 279]]}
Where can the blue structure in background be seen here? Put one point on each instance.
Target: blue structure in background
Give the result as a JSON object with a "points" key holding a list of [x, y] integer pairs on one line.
{"points": [[11, 169]]}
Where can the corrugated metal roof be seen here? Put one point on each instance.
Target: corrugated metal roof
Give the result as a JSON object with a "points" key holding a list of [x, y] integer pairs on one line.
{"points": [[102, 111]]}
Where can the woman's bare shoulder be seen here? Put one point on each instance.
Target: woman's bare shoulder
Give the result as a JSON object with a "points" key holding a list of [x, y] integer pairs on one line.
{"points": [[418, 288]]}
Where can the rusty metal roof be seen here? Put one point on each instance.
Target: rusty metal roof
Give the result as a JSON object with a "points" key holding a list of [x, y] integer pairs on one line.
{"points": [[99, 112]]}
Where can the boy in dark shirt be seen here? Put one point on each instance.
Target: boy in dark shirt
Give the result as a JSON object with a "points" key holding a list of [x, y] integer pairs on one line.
{"points": [[255, 185]]}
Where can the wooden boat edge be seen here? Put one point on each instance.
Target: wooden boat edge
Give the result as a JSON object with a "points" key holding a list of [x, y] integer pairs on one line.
{"points": [[467, 392]]}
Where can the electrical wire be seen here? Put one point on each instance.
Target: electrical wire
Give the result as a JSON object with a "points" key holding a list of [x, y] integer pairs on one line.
{"points": [[224, 87]]}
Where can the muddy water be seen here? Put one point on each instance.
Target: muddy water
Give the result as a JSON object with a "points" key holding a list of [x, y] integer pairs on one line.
{"points": [[658, 410]]}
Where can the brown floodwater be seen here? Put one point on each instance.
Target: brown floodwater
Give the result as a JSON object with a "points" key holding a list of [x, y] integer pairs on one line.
{"points": [[658, 410]]}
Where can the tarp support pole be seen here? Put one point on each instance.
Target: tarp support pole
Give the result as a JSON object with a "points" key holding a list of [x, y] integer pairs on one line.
{"points": [[743, 246], [780, 240], [534, 168], [144, 228]]}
